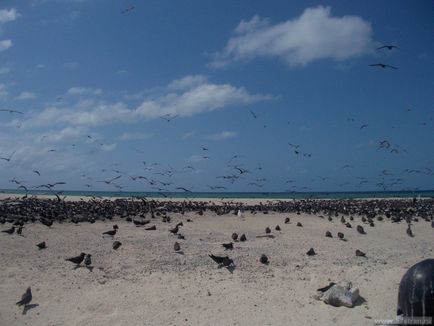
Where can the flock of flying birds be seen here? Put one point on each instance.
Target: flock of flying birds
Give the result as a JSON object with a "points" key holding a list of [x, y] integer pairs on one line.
{"points": [[236, 169]]}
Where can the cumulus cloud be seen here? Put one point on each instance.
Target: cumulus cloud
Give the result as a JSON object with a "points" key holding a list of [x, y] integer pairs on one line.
{"points": [[185, 97], [314, 35], [193, 95], [223, 135], [5, 44], [26, 96]]}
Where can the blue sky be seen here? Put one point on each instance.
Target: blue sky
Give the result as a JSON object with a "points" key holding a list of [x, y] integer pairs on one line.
{"points": [[285, 87]]}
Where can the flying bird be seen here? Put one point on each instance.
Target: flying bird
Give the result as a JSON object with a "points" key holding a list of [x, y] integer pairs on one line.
{"points": [[382, 65], [389, 47], [11, 111], [168, 117], [8, 158], [128, 10]]}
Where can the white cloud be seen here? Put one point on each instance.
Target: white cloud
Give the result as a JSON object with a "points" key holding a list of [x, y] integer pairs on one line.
{"points": [[5, 44], [84, 91], [198, 97], [314, 35], [26, 96], [8, 15], [223, 135]]}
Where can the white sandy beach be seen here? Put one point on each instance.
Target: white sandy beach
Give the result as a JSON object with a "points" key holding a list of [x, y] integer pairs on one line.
{"points": [[145, 282]]}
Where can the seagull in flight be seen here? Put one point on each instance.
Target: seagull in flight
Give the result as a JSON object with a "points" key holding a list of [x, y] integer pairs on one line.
{"points": [[382, 65], [111, 180], [11, 111], [7, 159], [253, 114], [128, 10], [389, 47], [168, 117]]}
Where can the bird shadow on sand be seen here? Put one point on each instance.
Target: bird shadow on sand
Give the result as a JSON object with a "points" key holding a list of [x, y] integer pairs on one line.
{"points": [[90, 268], [27, 307], [180, 252]]}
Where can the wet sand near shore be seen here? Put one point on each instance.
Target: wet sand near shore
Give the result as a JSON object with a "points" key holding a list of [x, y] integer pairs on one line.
{"points": [[145, 282]]}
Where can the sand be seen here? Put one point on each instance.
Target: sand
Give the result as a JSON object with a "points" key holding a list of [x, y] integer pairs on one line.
{"points": [[145, 282]]}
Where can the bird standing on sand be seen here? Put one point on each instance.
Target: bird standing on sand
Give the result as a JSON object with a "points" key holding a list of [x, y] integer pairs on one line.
{"points": [[77, 259], [243, 238], [9, 231], [222, 261], [110, 232], [88, 260], [25, 298], [341, 235], [360, 253], [277, 228], [409, 231], [234, 236], [41, 245], [287, 220], [177, 246], [311, 252], [299, 224], [264, 259], [328, 234], [267, 230], [116, 245], [360, 229], [228, 246]]}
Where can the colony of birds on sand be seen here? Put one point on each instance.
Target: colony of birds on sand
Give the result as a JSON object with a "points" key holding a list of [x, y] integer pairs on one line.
{"points": [[356, 215]]}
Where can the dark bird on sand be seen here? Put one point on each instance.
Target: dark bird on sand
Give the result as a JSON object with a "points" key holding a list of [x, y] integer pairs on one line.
{"points": [[287, 220], [299, 224], [343, 220], [180, 236], [228, 246], [25, 298], [88, 260], [42, 245], [340, 235], [175, 229], [348, 225], [330, 218], [20, 230], [360, 253], [277, 228], [116, 245], [325, 288], [329, 234], [267, 230], [9, 231], [151, 228], [360, 229], [177, 246], [243, 238], [46, 222], [234, 236], [110, 232], [264, 259], [432, 224], [77, 259], [222, 261], [311, 252], [409, 231]]}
